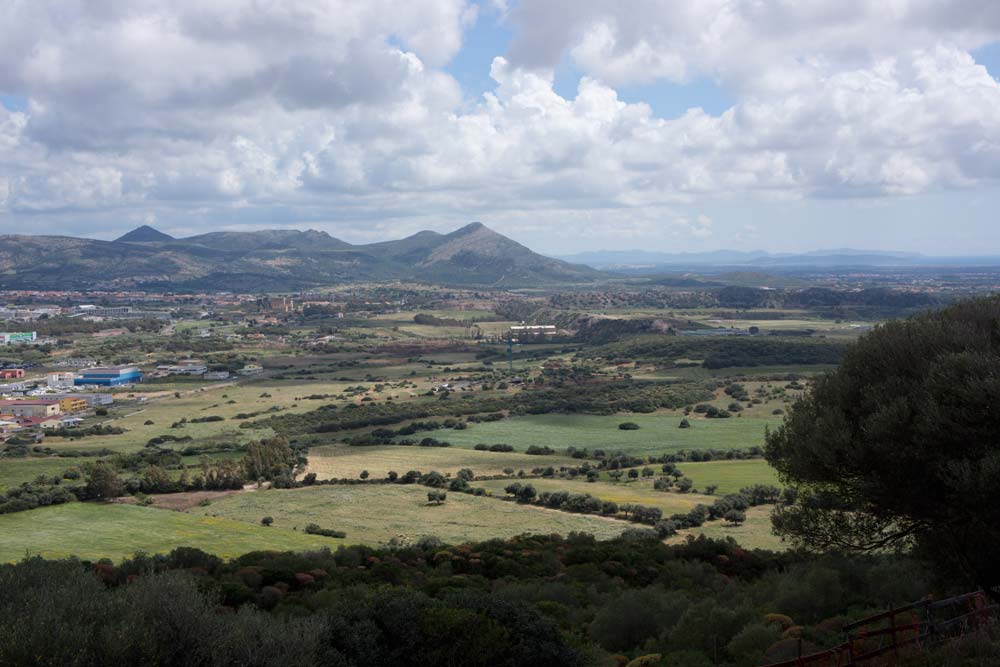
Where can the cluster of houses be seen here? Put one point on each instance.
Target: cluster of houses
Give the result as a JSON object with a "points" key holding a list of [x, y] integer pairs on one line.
{"points": [[198, 368], [57, 402], [19, 414]]}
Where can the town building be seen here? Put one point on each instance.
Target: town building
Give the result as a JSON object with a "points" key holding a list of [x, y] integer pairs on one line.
{"points": [[93, 400], [13, 388], [60, 380], [8, 428], [72, 404], [108, 376], [18, 338], [30, 407], [39, 422], [76, 362], [11, 374], [184, 367], [216, 375], [715, 333], [99, 313]]}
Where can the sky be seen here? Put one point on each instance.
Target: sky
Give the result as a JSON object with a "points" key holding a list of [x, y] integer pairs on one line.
{"points": [[568, 125]]}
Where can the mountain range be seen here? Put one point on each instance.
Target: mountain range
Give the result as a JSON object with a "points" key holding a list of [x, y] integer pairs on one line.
{"points": [[639, 262], [276, 260]]}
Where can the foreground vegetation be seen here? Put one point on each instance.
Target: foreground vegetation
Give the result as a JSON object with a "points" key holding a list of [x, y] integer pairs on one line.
{"points": [[528, 601]]}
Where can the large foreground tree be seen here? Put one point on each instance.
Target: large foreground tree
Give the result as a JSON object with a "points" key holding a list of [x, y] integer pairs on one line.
{"points": [[901, 444]]}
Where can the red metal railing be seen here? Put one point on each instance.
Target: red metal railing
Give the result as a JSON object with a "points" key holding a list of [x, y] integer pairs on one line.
{"points": [[899, 630]]}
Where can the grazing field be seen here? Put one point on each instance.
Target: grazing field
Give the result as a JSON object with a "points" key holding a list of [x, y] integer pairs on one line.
{"points": [[91, 530], [344, 461], [730, 476], [755, 533], [15, 471], [636, 493], [657, 433], [376, 513]]}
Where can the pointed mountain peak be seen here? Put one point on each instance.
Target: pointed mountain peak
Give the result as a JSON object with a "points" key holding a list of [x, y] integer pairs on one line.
{"points": [[471, 228], [144, 234]]}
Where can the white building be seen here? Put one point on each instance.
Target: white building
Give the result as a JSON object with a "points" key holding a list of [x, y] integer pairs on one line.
{"points": [[60, 380]]}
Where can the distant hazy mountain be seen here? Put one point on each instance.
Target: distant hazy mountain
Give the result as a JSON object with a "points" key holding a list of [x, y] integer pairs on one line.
{"points": [[646, 262], [276, 260]]}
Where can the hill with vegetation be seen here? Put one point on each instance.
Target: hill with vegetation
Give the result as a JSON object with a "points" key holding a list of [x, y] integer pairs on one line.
{"points": [[275, 260]]}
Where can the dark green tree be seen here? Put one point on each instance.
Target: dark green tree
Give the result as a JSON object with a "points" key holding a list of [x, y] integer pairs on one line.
{"points": [[268, 459], [103, 482], [899, 445]]}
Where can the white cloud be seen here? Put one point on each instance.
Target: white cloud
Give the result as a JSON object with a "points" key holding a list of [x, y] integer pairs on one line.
{"points": [[228, 113], [747, 44]]}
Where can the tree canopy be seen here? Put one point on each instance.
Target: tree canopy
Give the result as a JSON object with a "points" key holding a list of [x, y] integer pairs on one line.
{"points": [[899, 445]]}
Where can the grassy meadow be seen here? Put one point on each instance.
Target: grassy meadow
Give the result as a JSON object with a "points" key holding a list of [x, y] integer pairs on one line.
{"points": [[657, 434], [15, 471], [343, 461], [92, 530], [755, 533], [376, 513], [636, 493], [730, 476]]}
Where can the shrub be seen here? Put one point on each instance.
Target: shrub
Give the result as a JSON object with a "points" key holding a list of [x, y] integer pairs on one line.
{"points": [[267, 521], [315, 529], [628, 426]]}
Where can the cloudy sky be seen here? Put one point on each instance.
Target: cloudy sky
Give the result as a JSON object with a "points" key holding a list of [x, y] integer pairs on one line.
{"points": [[567, 124]]}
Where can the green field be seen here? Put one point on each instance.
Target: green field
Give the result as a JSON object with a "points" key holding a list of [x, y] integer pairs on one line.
{"points": [[657, 434], [13, 472], [730, 476], [91, 530], [754, 534], [371, 513], [636, 493], [344, 461]]}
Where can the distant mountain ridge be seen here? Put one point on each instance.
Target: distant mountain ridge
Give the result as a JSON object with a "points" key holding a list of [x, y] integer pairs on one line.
{"points": [[644, 261], [276, 260]]}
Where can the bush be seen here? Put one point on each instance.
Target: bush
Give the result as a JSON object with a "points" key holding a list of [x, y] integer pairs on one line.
{"points": [[684, 423], [315, 529], [628, 426], [267, 521]]}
